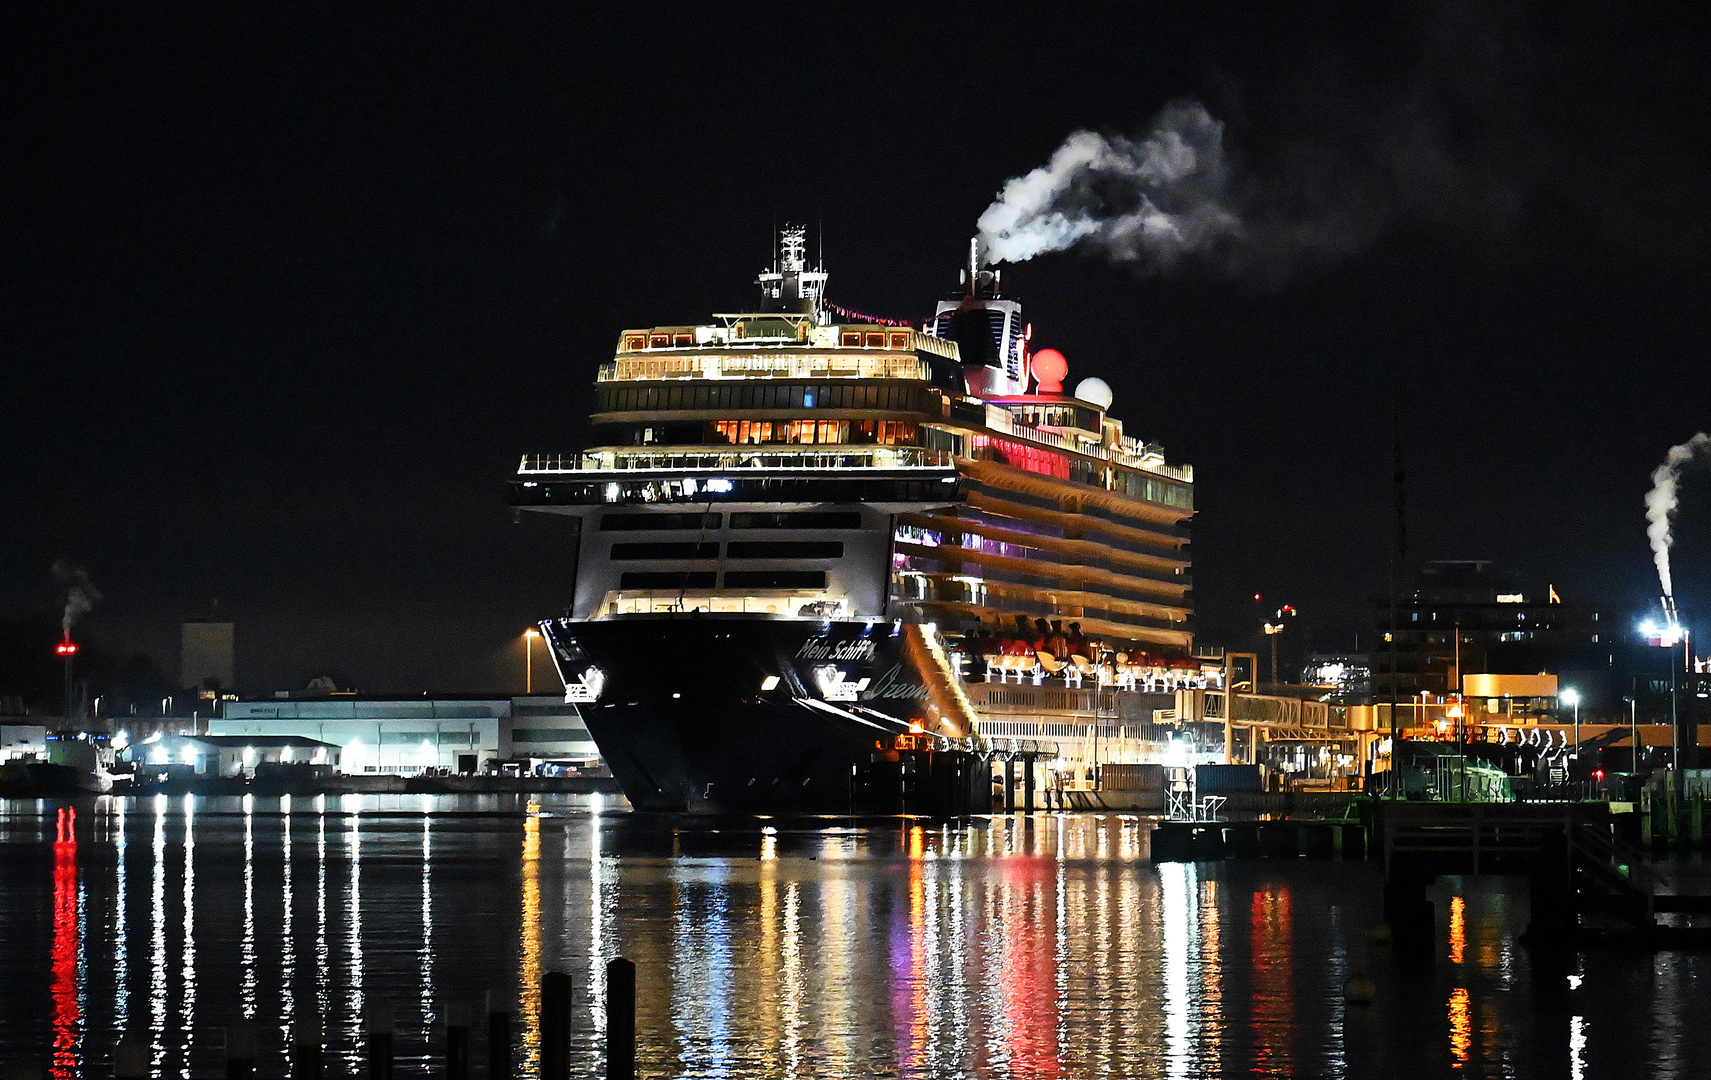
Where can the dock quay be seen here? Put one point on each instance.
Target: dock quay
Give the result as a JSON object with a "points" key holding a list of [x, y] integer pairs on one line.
{"points": [[1585, 877]]}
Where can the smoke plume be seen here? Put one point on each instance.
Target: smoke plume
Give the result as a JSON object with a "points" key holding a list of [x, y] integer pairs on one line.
{"points": [[81, 595], [1661, 502], [1150, 201]]}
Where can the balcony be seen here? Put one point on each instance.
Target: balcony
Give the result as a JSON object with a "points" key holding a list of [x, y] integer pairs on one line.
{"points": [[862, 364], [644, 461]]}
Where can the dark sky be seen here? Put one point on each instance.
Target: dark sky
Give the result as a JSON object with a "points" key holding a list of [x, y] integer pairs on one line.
{"points": [[289, 289]]}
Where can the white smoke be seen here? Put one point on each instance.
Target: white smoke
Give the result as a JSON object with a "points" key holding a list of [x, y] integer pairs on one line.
{"points": [[1150, 201], [1661, 502], [81, 595]]}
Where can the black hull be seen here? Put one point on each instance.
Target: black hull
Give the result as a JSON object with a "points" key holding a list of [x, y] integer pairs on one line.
{"points": [[702, 714]]}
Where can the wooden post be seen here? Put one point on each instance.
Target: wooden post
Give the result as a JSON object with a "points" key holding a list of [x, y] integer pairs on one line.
{"points": [[378, 1035], [240, 1051], [555, 1026], [131, 1059], [498, 1038], [457, 1042], [620, 1020], [306, 1047]]}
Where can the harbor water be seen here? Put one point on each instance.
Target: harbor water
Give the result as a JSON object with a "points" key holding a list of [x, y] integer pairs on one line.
{"points": [[1031, 946]]}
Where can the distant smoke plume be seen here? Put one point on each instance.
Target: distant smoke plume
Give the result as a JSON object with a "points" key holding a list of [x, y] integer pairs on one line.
{"points": [[1150, 201], [81, 595], [1661, 502]]}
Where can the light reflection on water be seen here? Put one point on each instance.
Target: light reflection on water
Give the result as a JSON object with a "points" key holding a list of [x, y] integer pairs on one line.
{"points": [[1037, 946]]}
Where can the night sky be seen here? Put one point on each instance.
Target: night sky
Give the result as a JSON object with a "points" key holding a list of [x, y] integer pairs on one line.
{"points": [[288, 290]]}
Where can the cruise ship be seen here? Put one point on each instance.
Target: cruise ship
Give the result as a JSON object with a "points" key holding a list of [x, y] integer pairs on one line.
{"points": [[832, 563]]}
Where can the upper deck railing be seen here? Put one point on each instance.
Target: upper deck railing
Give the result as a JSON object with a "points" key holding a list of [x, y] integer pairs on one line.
{"points": [[793, 363], [738, 460]]}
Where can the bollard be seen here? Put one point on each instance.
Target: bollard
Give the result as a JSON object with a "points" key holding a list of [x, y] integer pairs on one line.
{"points": [[378, 1033], [498, 1038], [457, 1042], [131, 1059], [620, 1020], [240, 1051], [306, 1048], [555, 1026]]}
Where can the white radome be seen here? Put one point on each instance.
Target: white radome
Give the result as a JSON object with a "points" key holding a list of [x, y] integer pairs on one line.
{"points": [[1094, 391]]}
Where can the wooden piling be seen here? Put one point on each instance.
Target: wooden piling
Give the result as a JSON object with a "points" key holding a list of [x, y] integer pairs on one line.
{"points": [[499, 1063], [457, 1042], [131, 1059], [306, 1047], [620, 1020], [240, 1051], [555, 1026], [378, 1037]]}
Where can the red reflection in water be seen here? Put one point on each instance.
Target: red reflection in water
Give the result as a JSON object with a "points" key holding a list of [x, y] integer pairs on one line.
{"points": [[1274, 995], [1029, 974], [66, 1022]]}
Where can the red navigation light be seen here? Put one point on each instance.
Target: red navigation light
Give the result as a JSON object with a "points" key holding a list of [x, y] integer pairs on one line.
{"points": [[1598, 774], [65, 648], [1257, 598]]}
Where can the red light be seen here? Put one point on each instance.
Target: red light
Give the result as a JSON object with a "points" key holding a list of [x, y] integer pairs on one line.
{"points": [[65, 648], [1598, 774], [1257, 598]]}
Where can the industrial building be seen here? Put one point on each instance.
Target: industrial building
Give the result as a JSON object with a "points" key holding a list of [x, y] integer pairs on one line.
{"points": [[406, 736]]}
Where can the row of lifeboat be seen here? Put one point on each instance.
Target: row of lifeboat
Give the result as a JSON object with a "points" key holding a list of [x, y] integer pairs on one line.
{"points": [[1046, 649]]}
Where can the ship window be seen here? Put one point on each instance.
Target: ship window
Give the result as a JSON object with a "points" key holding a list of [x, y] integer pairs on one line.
{"points": [[635, 342], [876, 341], [775, 579], [899, 341], [683, 339], [649, 579], [646, 522], [664, 551], [786, 549], [812, 519], [851, 339], [660, 341]]}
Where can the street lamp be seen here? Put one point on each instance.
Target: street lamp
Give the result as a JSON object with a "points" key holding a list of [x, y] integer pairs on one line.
{"points": [[529, 637], [1572, 696]]}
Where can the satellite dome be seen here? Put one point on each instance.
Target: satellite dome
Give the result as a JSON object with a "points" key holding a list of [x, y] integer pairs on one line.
{"points": [[1094, 391], [1049, 367]]}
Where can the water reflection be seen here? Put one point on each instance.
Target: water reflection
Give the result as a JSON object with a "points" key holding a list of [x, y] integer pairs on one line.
{"points": [[1032, 946]]}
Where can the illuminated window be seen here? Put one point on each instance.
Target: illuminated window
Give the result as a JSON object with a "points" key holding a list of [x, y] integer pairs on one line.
{"points": [[683, 339], [660, 341], [851, 339], [635, 342], [876, 341], [900, 341]]}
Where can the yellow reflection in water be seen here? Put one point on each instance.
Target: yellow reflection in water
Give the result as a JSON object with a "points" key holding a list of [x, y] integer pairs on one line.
{"points": [[529, 993], [1461, 1027], [1458, 929]]}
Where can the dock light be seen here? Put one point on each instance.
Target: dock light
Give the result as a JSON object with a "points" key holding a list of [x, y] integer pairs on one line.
{"points": [[719, 486], [249, 755], [187, 755], [769, 683]]}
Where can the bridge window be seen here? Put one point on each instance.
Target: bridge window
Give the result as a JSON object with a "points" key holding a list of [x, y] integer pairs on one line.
{"points": [[775, 579], [786, 549], [665, 551]]}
